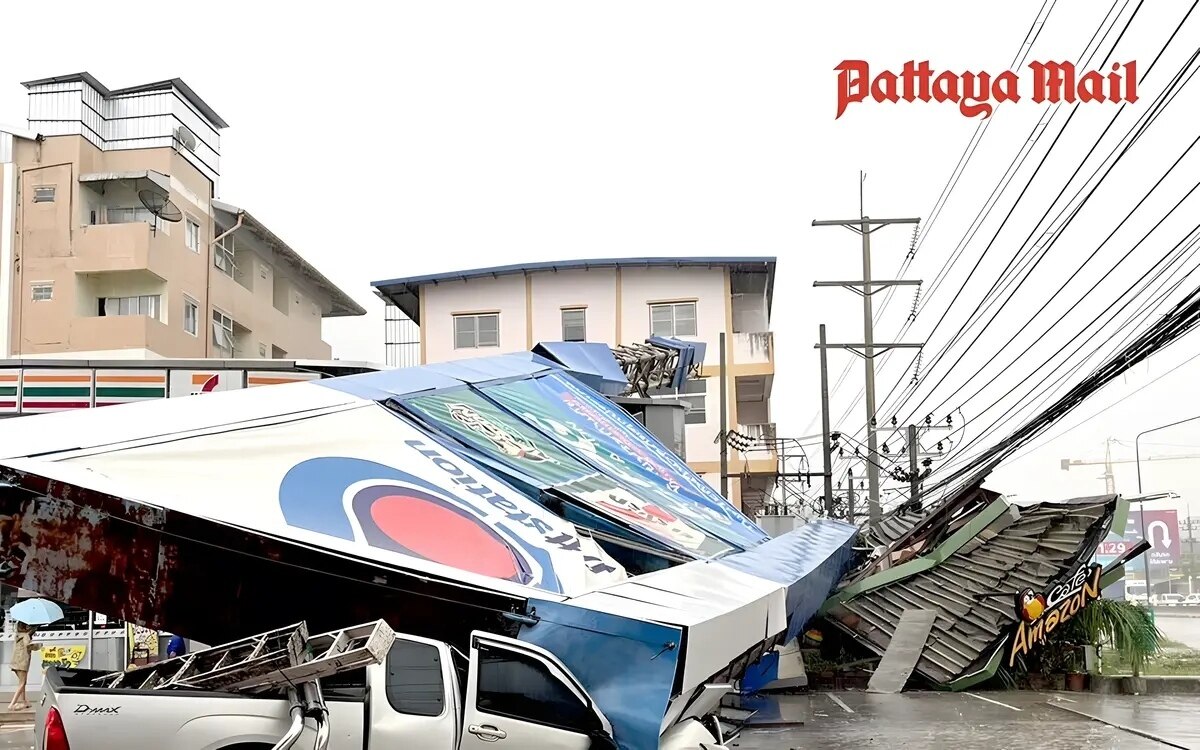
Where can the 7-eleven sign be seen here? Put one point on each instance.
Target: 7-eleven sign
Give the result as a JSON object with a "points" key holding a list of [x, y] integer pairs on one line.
{"points": [[196, 382]]}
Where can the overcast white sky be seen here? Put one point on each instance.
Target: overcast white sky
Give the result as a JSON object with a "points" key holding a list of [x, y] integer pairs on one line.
{"points": [[412, 137]]}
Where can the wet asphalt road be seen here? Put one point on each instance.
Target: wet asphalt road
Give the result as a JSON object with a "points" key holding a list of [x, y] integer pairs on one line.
{"points": [[958, 721], [16, 736], [1182, 628], [989, 721]]}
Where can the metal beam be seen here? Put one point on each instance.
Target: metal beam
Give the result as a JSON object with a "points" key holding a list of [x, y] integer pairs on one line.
{"points": [[859, 222], [872, 282]]}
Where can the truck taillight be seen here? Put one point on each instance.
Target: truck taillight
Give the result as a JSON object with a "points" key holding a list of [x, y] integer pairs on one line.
{"points": [[56, 733]]}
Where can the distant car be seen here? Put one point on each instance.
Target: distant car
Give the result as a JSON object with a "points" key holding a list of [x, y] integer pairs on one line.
{"points": [[1192, 600], [1171, 600]]}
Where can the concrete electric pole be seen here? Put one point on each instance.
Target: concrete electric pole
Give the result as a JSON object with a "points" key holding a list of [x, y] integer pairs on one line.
{"points": [[868, 349]]}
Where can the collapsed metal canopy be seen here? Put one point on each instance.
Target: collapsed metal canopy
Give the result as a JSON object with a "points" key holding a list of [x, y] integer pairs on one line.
{"points": [[970, 579]]}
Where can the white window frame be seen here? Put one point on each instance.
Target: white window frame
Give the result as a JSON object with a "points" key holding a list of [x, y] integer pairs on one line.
{"points": [[224, 324], [674, 309], [581, 325], [225, 256], [474, 319], [194, 306], [35, 287], [135, 303], [190, 238]]}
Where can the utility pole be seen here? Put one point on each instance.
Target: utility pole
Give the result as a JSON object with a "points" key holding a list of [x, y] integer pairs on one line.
{"points": [[1191, 567], [724, 420], [850, 496], [1110, 483], [866, 288], [914, 478], [826, 442]]}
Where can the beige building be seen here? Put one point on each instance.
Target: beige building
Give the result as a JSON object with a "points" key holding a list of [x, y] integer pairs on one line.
{"points": [[486, 311], [113, 245]]}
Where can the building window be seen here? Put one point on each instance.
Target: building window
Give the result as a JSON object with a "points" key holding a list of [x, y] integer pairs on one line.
{"points": [[519, 686], [42, 292], [222, 333], [574, 324], [192, 236], [144, 304], [692, 396], [43, 194], [191, 316], [673, 319], [475, 331], [223, 256]]}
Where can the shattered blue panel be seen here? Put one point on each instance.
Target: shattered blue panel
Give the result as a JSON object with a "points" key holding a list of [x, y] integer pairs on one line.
{"points": [[761, 673], [627, 666], [809, 561], [592, 363]]}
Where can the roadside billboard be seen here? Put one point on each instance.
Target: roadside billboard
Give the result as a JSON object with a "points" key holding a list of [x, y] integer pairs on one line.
{"points": [[1162, 531]]}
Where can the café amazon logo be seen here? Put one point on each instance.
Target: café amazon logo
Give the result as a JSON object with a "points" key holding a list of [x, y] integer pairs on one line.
{"points": [[1039, 615]]}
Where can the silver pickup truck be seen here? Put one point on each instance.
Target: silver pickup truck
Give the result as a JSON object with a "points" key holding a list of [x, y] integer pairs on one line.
{"points": [[507, 694]]}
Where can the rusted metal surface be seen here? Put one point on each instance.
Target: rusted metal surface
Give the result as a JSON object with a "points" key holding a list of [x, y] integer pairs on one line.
{"points": [[210, 581]]}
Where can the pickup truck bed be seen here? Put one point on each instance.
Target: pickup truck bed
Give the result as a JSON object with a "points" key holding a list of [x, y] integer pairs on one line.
{"points": [[115, 719]]}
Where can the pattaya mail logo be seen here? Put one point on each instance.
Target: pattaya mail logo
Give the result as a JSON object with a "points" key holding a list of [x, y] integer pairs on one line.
{"points": [[979, 93]]}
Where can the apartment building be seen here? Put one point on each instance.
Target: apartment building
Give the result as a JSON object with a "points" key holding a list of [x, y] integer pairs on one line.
{"points": [[113, 244], [485, 311]]}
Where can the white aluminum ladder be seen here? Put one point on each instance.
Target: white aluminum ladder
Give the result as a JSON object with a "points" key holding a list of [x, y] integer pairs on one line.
{"points": [[276, 659]]}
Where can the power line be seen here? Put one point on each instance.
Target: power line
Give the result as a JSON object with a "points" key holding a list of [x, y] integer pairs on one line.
{"points": [[919, 235], [1034, 137], [1030, 378], [1007, 293]]}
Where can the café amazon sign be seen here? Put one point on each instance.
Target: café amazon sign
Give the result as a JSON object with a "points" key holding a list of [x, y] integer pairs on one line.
{"points": [[1039, 615]]}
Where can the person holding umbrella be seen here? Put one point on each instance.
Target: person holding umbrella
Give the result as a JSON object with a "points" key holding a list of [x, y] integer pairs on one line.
{"points": [[23, 648], [28, 615]]}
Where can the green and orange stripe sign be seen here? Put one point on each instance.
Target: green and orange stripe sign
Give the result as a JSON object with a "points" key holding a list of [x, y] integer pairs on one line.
{"points": [[127, 386], [55, 390]]}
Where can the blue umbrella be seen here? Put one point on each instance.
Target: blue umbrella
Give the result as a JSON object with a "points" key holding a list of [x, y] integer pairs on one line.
{"points": [[36, 612]]}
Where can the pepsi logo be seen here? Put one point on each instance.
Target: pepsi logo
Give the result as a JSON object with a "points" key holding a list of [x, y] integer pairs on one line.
{"points": [[421, 524], [388, 509]]}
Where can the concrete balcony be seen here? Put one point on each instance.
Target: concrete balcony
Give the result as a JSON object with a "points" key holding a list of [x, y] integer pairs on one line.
{"points": [[763, 431], [101, 248], [754, 349], [103, 333]]}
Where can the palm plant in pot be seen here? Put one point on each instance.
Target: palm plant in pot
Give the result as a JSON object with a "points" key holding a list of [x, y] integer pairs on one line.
{"points": [[1125, 628]]}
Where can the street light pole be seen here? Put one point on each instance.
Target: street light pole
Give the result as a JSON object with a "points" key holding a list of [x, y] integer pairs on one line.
{"points": [[1137, 460]]}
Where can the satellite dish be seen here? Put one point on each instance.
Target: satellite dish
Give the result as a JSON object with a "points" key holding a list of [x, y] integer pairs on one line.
{"points": [[186, 138], [160, 207]]}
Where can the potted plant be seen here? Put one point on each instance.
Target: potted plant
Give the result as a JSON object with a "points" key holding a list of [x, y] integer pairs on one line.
{"points": [[1076, 677], [1127, 629]]}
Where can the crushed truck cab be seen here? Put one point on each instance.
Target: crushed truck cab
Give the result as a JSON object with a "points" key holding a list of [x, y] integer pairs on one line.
{"points": [[424, 694]]}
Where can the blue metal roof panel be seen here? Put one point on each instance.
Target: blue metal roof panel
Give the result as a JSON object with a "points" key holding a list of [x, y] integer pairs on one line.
{"points": [[809, 561], [490, 369], [562, 265]]}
